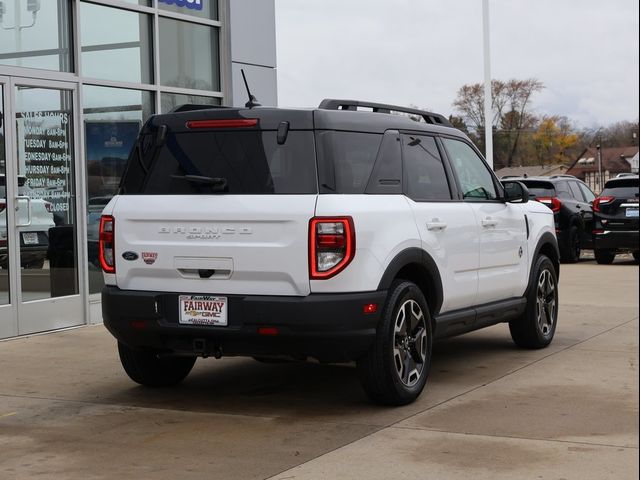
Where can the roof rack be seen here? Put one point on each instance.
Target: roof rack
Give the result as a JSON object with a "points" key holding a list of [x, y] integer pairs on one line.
{"points": [[429, 117], [187, 107]]}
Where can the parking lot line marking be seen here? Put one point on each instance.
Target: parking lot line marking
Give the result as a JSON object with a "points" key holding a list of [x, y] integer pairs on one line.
{"points": [[7, 414]]}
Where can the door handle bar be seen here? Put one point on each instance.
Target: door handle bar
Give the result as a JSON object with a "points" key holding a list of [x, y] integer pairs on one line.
{"points": [[28, 199], [436, 225]]}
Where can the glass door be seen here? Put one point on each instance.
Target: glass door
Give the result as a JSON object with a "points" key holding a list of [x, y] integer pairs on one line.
{"points": [[42, 227]]}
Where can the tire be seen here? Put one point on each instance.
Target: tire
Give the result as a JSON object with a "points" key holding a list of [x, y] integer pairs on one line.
{"points": [[147, 368], [570, 251], [604, 257], [536, 327], [636, 256], [394, 371]]}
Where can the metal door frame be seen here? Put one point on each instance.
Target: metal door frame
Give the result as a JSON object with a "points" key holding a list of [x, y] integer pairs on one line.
{"points": [[49, 313]]}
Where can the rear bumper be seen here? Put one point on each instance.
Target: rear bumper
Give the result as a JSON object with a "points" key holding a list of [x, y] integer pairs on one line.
{"points": [[328, 327], [611, 239]]}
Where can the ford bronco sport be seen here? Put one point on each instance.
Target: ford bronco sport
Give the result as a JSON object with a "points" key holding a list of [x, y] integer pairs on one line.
{"points": [[332, 233]]}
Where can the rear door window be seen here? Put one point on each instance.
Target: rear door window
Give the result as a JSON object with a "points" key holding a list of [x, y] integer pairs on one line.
{"points": [[425, 177], [234, 162], [575, 190]]}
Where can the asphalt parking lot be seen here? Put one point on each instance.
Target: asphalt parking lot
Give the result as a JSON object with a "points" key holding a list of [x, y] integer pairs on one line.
{"points": [[68, 411]]}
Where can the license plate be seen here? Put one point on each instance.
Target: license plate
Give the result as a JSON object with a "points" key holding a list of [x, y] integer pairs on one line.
{"points": [[632, 212], [30, 238], [202, 310]]}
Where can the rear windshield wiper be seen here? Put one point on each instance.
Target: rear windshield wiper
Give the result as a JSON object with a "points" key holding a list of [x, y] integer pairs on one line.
{"points": [[217, 183]]}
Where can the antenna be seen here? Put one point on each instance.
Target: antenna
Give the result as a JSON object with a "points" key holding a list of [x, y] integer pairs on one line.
{"points": [[253, 101]]}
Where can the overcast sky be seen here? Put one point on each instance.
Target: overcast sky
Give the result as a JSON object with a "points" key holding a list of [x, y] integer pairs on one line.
{"points": [[421, 51]]}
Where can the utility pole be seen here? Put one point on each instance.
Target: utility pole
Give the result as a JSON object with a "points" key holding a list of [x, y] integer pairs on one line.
{"points": [[488, 116], [599, 167]]}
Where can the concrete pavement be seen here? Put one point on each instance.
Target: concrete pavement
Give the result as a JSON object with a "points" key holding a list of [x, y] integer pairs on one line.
{"points": [[490, 410]]}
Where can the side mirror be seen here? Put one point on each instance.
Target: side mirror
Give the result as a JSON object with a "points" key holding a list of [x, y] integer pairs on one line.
{"points": [[515, 192]]}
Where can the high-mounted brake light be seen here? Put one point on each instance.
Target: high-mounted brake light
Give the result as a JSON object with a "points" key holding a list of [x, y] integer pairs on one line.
{"points": [[552, 202], [332, 245], [106, 244], [601, 201], [226, 123]]}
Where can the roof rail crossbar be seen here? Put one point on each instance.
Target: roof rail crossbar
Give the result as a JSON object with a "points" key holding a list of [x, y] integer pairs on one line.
{"points": [[429, 117]]}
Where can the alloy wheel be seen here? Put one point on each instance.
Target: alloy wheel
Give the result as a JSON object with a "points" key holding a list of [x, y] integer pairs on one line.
{"points": [[410, 343], [547, 298]]}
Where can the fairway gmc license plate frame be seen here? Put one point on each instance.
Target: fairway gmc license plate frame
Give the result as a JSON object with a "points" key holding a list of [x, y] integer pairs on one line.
{"points": [[204, 310]]}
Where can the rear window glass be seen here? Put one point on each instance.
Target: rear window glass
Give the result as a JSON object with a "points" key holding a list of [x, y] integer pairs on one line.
{"points": [[627, 188], [224, 162], [540, 189], [346, 160]]}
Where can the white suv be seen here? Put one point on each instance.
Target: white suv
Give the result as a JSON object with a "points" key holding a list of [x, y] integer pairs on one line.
{"points": [[333, 233]]}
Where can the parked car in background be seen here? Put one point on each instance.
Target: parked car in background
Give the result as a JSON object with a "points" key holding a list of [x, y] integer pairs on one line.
{"points": [[616, 223], [36, 217], [570, 201]]}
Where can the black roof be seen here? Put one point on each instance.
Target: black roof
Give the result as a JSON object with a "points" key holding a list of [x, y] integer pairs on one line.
{"points": [[331, 115]]}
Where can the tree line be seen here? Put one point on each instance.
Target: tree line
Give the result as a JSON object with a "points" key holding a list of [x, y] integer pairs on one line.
{"points": [[522, 137]]}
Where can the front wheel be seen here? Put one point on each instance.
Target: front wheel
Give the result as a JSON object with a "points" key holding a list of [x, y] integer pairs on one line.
{"points": [[148, 368], [536, 327], [604, 257], [395, 369]]}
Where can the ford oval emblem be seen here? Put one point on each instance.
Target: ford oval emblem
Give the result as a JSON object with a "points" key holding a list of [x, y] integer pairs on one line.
{"points": [[131, 256]]}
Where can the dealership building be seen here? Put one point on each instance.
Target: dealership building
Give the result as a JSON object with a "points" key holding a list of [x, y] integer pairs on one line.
{"points": [[77, 81]]}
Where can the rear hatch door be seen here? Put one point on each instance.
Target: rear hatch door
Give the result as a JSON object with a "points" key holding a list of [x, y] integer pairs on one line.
{"points": [[621, 213], [216, 209]]}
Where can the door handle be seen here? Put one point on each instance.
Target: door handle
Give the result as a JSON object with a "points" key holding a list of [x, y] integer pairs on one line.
{"points": [[436, 224], [489, 222], [28, 199]]}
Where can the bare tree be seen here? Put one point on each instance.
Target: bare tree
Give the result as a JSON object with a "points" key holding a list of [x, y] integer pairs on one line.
{"points": [[510, 103]]}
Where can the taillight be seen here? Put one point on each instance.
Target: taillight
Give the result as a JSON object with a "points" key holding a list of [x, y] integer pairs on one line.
{"points": [[601, 201], [332, 245], [552, 202], [107, 244], [223, 123]]}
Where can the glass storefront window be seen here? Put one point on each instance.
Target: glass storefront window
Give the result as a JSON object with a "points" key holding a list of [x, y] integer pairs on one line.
{"points": [[115, 44], [112, 119], [198, 8], [169, 101], [188, 55], [36, 34]]}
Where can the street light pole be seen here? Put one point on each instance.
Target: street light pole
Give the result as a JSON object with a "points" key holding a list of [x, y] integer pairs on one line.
{"points": [[488, 116], [599, 167]]}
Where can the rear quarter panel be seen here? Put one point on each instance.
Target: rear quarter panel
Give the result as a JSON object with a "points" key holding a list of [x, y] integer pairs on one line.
{"points": [[384, 227]]}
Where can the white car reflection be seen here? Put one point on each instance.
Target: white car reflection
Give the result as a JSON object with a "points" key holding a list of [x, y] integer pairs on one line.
{"points": [[36, 214]]}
